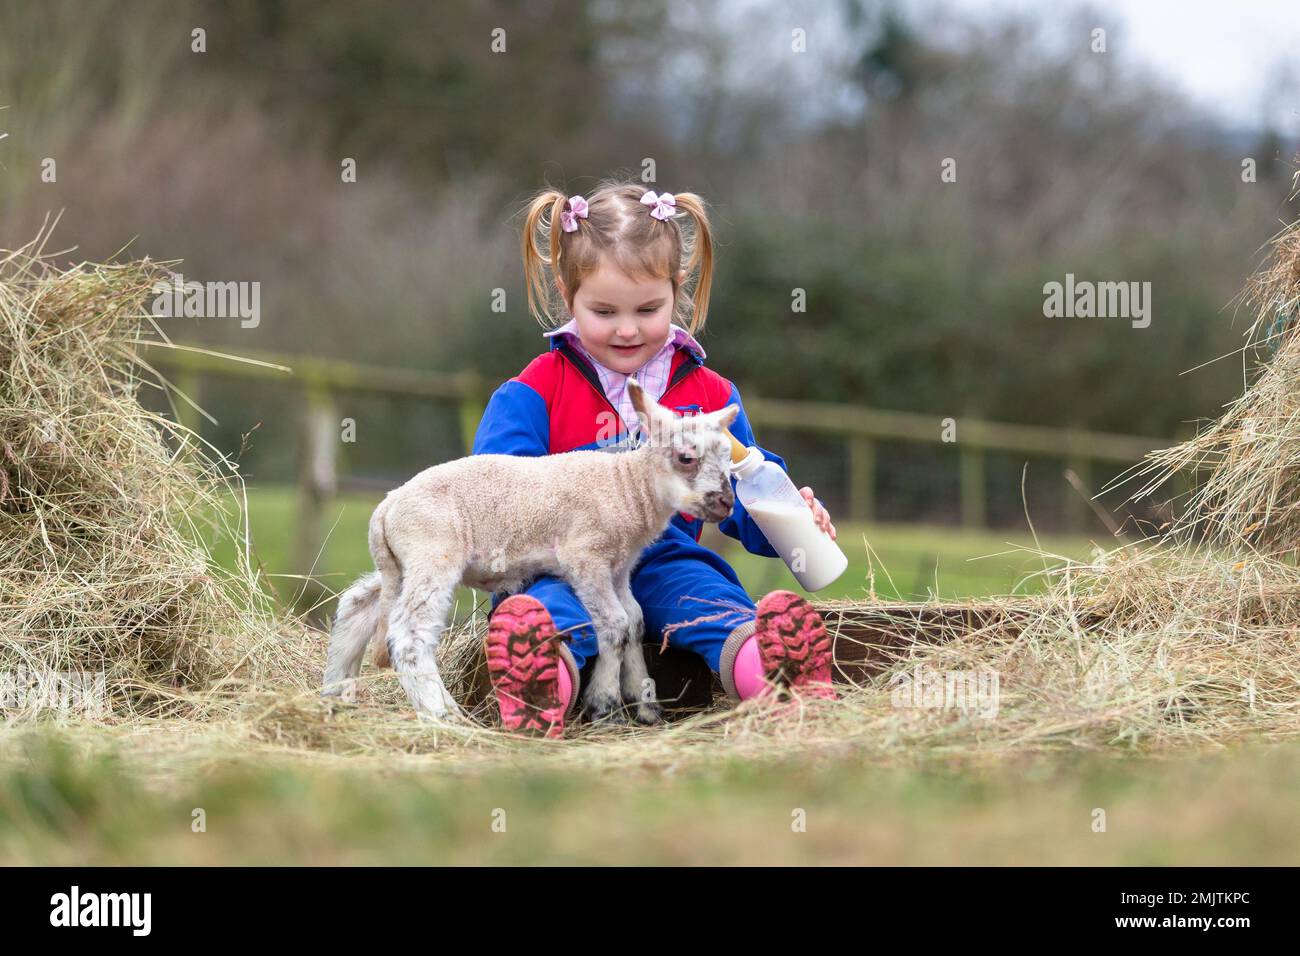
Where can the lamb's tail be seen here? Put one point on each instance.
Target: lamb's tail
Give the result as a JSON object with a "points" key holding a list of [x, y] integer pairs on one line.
{"points": [[390, 580], [361, 618]]}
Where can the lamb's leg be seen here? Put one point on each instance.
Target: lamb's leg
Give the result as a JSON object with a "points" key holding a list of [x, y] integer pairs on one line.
{"points": [[610, 620], [415, 626], [638, 687]]}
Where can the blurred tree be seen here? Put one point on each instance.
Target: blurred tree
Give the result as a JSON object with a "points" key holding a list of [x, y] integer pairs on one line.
{"points": [[442, 88]]}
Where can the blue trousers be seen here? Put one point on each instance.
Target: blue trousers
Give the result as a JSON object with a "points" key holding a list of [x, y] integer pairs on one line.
{"points": [[676, 579]]}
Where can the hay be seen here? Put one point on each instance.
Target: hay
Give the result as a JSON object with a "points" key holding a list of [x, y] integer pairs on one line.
{"points": [[1249, 458], [1146, 649], [107, 509]]}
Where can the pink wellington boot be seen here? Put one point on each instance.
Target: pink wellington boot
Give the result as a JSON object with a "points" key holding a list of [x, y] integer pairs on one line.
{"points": [[786, 646], [533, 675]]}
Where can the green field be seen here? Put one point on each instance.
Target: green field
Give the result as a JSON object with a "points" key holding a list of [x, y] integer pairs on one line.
{"points": [[58, 808]]}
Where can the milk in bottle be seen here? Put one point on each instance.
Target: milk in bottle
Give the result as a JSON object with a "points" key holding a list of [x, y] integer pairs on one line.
{"points": [[787, 522]]}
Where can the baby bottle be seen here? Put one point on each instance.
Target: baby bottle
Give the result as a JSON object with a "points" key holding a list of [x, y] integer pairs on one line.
{"points": [[787, 522]]}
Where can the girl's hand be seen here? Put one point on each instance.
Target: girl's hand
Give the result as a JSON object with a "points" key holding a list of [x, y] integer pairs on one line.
{"points": [[820, 514]]}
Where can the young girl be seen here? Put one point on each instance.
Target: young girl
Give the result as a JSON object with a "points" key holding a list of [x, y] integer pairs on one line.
{"points": [[620, 260]]}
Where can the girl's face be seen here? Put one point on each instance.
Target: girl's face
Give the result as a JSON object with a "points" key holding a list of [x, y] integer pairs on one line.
{"points": [[622, 321]]}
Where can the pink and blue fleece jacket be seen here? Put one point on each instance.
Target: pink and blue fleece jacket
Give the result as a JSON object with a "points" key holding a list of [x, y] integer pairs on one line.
{"points": [[557, 404]]}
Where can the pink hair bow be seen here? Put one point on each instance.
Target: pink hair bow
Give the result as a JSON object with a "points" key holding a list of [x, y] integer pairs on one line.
{"points": [[577, 210], [663, 207]]}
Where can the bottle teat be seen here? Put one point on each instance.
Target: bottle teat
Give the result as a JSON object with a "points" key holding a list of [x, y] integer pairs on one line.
{"points": [[738, 451]]}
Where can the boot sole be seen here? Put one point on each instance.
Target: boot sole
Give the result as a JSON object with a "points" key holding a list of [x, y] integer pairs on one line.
{"points": [[523, 662], [793, 645]]}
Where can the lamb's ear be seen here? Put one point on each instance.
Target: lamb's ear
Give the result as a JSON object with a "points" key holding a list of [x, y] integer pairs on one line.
{"points": [[727, 415], [648, 411]]}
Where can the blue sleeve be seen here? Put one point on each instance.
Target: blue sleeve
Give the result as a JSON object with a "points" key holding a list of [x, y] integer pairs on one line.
{"points": [[740, 525], [515, 422]]}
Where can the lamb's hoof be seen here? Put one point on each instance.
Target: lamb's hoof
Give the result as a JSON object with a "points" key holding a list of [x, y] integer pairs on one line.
{"points": [[431, 700], [649, 713], [453, 709], [608, 714], [443, 718], [333, 704], [432, 707], [344, 691]]}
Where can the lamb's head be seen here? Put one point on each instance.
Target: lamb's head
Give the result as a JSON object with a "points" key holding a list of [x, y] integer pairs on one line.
{"points": [[693, 453]]}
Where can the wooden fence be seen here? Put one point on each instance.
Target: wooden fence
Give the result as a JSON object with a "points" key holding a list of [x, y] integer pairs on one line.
{"points": [[320, 380]]}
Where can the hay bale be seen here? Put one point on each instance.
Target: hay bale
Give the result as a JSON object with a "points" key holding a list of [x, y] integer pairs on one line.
{"points": [[1248, 460], [106, 508]]}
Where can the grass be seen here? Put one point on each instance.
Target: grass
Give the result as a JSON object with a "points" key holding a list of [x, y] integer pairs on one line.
{"points": [[106, 807]]}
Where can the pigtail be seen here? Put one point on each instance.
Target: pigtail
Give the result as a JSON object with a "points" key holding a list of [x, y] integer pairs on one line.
{"points": [[701, 258], [535, 262]]}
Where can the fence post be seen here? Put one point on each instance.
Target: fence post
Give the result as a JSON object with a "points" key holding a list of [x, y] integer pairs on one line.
{"points": [[973, 514], [471, 410], [862, 479], [1076, 504], [317, 481]]}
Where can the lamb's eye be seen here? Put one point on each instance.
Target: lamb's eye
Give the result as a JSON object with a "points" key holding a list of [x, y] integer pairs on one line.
{"points": [[685, 459]]}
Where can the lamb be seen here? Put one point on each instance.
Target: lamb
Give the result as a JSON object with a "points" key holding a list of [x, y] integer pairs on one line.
{"points": [[494, 522]]}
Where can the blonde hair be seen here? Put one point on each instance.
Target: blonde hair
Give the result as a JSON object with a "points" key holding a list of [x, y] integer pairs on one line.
{"points": [[620, 230]]}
